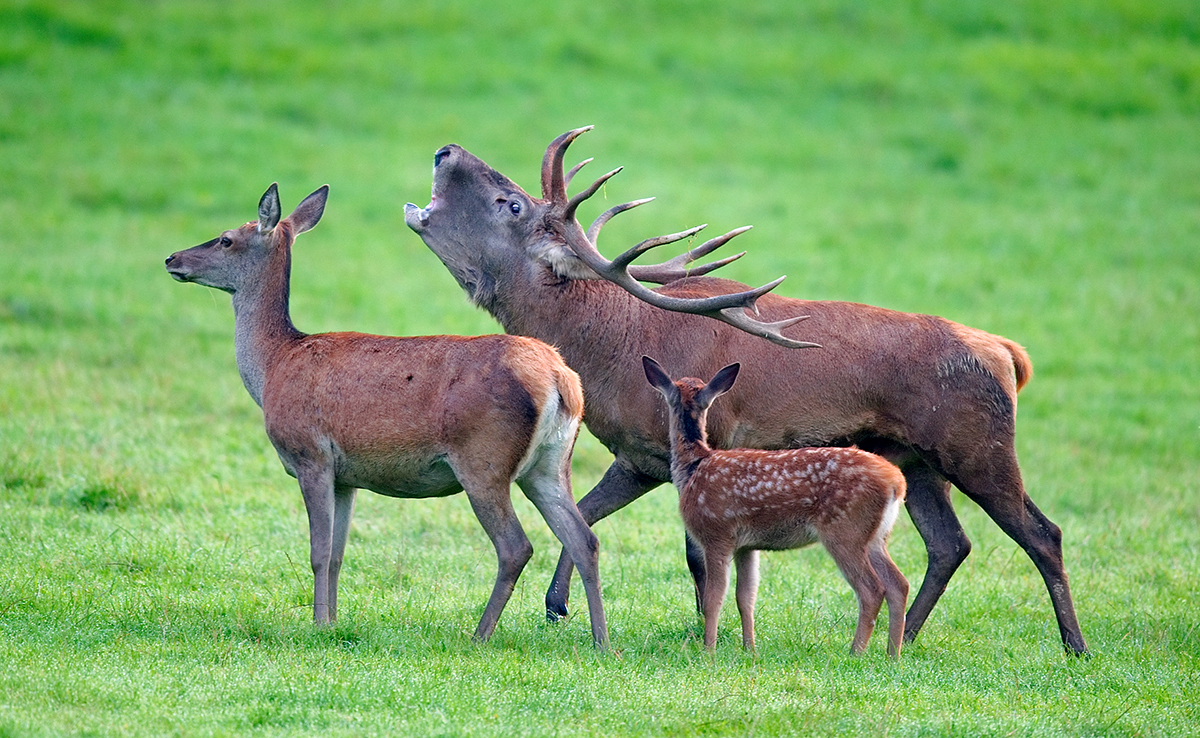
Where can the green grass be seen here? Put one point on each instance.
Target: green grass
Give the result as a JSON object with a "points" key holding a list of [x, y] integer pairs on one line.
{"points": [[1031, 169]]}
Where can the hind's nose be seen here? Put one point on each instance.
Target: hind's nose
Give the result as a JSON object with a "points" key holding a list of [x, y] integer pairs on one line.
{"points": [[440, 155]]}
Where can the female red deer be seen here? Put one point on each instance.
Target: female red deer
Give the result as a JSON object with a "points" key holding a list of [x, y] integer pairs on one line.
{"points": [[737, 502], [935, 397], [425, 416]]}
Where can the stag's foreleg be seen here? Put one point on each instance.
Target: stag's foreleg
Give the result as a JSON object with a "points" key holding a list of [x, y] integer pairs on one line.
{"points": [[621, 485]]}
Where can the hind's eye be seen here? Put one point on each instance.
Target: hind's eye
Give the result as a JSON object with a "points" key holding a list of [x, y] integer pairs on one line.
{"points": [[226, 241], [515, 207]]}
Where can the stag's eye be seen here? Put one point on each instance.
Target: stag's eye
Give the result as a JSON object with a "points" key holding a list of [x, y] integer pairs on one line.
{"points": [[226, 241], [515, 207]]}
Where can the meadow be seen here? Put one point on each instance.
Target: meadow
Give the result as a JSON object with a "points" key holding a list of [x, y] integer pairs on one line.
{"points": [[1031, 169]]}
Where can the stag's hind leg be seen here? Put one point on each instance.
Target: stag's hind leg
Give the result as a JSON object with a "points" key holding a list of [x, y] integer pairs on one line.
{"points": [[999, 491]]}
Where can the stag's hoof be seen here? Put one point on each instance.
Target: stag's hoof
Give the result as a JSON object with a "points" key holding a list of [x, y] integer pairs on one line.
{"points": [[555, 613]]}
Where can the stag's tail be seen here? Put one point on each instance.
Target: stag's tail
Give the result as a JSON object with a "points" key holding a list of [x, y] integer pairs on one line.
{"points": [[1022, 365]]}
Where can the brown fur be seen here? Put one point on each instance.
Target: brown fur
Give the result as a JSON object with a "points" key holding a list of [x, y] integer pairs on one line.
{"points": [[935, 397], [737, 502], [406, 417]]}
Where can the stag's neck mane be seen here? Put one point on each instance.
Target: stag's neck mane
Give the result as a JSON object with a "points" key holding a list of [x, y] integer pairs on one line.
{"points": [[538, 302]]}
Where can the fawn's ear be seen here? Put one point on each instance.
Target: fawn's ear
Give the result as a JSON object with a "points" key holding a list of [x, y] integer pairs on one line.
{"points": [[308, 213], [657, 377], [719, 385], [268, 209]]}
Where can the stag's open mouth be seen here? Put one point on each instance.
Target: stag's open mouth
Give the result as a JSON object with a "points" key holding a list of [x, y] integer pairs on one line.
{"points": [[417, 218]]}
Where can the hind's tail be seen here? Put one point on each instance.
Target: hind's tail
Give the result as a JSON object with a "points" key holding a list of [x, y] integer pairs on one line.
{"points": [[566, 381]]}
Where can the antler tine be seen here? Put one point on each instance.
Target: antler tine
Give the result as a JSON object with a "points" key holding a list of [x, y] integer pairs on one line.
{"points": [[624, 260], [575, 169], [730, 308], [594, 229], [769, 331], [677, 268], [726, 308], [569, 212], [554, 186]]}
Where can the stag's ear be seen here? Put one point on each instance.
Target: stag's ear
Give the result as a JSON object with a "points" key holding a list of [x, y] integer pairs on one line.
{"points": [[719, 385], [268, 209], [561, 259], [657, 377], [308, 213]]}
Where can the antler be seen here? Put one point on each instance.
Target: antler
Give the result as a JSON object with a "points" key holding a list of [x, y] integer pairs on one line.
{"points": [[729, 308]]}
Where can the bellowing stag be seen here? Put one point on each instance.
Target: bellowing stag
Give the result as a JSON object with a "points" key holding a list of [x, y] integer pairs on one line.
{"points": [[936, 398]]}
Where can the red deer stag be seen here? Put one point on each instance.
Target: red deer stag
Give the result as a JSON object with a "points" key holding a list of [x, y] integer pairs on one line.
{"points": [[936, 398], [425, 416], [735, 503]]}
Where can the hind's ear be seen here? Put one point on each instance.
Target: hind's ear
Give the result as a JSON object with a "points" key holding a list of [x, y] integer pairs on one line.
{"points": [[268, 208], [308, 213]]}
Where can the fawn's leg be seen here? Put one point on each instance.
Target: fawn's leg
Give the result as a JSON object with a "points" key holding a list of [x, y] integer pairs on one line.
{"points": [[716, 564], [895, 588], [746, 561], [852, 561]]}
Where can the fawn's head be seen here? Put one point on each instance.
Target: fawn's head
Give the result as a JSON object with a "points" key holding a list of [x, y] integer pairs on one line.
{"points": [[688, 399], [240, 256]]}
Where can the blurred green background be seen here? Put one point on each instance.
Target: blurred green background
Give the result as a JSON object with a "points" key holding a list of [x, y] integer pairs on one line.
{"points": [[1027, 168]]}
